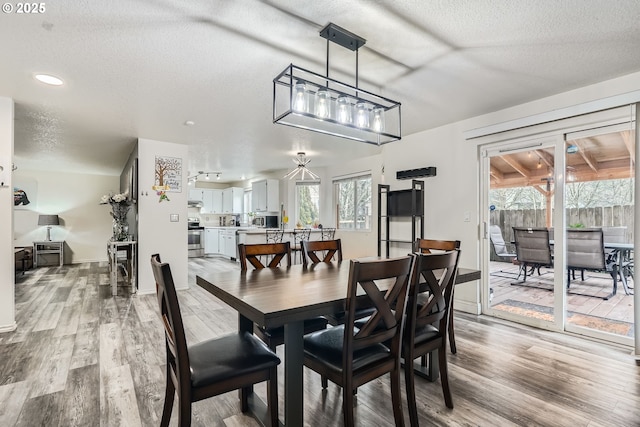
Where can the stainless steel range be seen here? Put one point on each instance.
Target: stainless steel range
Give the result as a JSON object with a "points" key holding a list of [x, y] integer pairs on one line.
{"points": [[196, 238]]}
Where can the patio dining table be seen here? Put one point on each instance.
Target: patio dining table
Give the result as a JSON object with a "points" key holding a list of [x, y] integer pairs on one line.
{"points": [[286, 297]]}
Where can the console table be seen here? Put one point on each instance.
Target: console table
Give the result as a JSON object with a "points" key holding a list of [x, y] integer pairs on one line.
{"points": [[122, 252], [52, 247]]}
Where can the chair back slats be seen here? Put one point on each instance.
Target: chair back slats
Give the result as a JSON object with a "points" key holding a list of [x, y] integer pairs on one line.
{"points": [[300, 235], [328, 233], [427, 246], [317, 251], [274, 236], [176, 343], [277, 252], [435, 289], [386, 322], [434, 276], [585, 249]]}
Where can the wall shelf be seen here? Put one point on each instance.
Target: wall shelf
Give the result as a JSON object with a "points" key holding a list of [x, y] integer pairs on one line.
{"points": [[387, 214]]}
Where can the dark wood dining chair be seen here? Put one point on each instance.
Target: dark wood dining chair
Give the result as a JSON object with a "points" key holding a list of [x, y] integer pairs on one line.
{"points": [[253, 254], [211, 367], [280, 253], [427, 323], [427, 246], [351, 357], [315, 251]]}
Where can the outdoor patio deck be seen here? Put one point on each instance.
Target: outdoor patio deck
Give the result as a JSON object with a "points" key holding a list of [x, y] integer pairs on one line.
{"points": [[584, 301]]}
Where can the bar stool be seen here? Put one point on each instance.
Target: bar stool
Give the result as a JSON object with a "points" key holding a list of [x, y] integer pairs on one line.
{"points": [[298, 236]]}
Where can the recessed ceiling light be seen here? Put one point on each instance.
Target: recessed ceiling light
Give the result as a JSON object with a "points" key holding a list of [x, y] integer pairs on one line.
{"points": [[189, 123], [49, 79]]}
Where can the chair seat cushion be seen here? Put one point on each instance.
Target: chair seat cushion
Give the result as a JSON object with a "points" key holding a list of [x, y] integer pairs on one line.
{"points": [[426, 333], [228, 357], [339, 318], [326, 346], [310, 325]]}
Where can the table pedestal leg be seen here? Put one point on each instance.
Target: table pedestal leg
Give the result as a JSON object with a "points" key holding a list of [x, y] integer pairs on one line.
{"points": [[293, 370], [431, 371]]}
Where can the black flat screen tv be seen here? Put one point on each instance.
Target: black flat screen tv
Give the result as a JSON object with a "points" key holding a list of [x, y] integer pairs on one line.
{"points": [[399, 203]]}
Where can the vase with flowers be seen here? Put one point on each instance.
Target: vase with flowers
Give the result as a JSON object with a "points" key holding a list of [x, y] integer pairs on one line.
{"points": [[120, 205]]}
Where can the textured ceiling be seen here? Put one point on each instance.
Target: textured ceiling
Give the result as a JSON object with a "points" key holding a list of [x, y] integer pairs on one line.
{"points": [[141, 68]]}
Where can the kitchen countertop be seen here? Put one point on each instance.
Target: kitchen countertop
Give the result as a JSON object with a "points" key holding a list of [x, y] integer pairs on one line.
{"points": [[286, 230], [227, 227]]}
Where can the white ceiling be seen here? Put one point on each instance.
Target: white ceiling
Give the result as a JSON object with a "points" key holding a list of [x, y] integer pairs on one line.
{"points": [[141, 68]]}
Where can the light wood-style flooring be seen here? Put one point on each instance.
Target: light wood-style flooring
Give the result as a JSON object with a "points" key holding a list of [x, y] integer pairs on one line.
{"points": [[81, 357]]}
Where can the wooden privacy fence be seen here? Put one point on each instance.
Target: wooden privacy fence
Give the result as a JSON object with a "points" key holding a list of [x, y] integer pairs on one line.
{"points": [[607, 216]]}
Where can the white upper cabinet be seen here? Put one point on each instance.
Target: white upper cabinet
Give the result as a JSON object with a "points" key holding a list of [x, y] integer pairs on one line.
{"points": [[232, 199], [265, 195], [212, 201], [195, 195]]}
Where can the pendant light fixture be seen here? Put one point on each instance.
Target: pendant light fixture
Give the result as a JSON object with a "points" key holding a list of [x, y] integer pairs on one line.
{"points": [[301, 169], [307, 100]]}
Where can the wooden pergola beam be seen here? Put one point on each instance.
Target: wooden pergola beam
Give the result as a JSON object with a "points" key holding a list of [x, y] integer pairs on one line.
{"points": [[496, 174], [522, 170], [546, 158], [588, 158]]}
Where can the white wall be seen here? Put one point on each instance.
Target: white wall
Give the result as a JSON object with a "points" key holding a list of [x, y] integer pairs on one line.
{"points": [[156, 233], [7, 266], [86, 225]]}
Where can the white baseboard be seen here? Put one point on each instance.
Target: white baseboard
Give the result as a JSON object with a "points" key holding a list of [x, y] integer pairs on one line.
{"points": [[9, 328], [467, 307]]}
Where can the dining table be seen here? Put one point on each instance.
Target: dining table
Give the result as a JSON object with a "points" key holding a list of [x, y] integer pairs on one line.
{"points": [[286, 296]]}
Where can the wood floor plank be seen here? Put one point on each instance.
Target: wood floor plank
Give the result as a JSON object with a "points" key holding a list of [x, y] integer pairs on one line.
{"points": [[112, 351], [12, 397], [86, 348], [54, 367], [118, 404], [68, 321], [82, 397], [41, 411]]}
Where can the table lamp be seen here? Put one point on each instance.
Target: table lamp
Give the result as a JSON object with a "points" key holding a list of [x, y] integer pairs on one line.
{"points": [[48, 220]]}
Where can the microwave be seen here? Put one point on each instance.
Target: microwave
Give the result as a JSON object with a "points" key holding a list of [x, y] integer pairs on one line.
{"points": [[267, 221], [271, 221]]}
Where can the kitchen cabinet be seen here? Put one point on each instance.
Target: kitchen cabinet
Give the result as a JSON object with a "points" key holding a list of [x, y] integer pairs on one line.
{"points": [[265, 196], [212, 201], [232, 199], [195, 195], [228, 245], [211, 241]]}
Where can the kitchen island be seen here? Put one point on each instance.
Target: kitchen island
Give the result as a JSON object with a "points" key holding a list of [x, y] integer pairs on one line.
{"points": [[222, 241]]}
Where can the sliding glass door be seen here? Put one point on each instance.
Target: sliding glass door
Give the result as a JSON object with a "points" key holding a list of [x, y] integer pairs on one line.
{"points": [[519, 222], [600, 209], [558, 215]]}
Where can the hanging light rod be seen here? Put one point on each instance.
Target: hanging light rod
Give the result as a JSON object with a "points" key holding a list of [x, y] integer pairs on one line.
{"points": [[205, 175], [307, 100]]}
